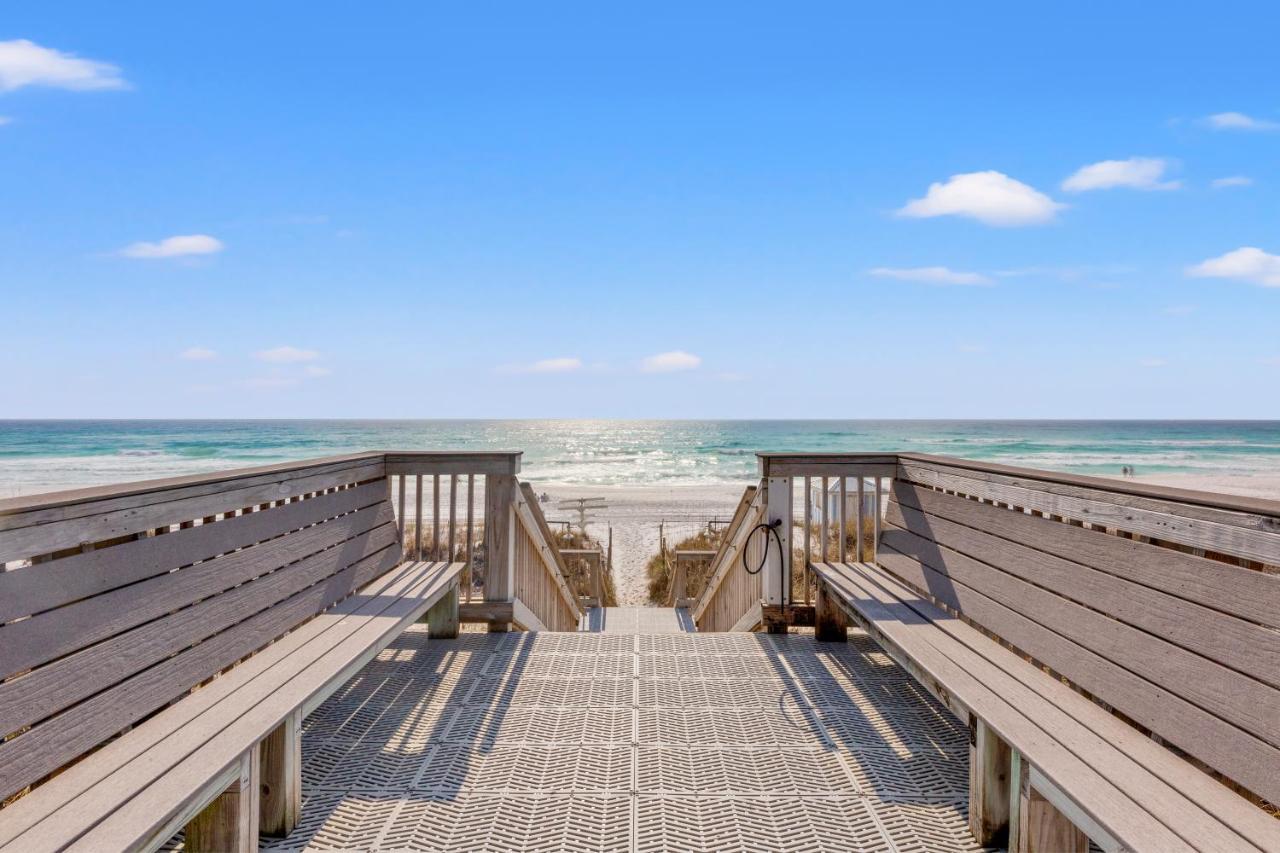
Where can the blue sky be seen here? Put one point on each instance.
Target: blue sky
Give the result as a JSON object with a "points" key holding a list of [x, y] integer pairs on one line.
{"points": [[540, 210]]}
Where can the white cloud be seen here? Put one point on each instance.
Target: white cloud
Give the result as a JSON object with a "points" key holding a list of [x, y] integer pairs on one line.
{"points": [[670, 362], [932, 275], [1152, 362], [1239, 121], [174, 247], [198, 354], [286, 355], [989, 197], [316, 371], [1139, 173], [25, 63], [1232, 181], [566, 364], [1246, 264]]}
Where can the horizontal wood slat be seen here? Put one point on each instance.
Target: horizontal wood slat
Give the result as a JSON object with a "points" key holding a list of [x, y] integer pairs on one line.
{"points": [[50, 688], [34, 753], [1253, 538], [46, 530], [32, 589], [1241, 592], [33, 641], [1240, 645], [1241, 755]]}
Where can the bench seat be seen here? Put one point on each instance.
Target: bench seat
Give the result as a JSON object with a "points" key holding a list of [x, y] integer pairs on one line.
{"points": [[1127, 791], [140, 789]]}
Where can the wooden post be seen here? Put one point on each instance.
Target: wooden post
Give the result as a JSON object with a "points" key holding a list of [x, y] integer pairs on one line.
{"points": [[775, 584], [442, 617], [230, 822], [678, 583], [989, 792], [281, 766], [1041, 827], [830, 624], [499, 542]]}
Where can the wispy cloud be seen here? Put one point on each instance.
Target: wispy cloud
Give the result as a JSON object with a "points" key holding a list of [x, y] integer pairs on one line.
{"points": [[197, 354], [286, 355], [991, 197], [941, 276], [566, 364], [1139, 173], [1232, 181], [1247, 263], [174, 247], [25, 63], [1239, 121], [315, 371], [670, 362], [1152, 362]]}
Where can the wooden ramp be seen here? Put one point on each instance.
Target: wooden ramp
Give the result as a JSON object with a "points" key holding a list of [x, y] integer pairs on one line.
{"points": [[629, 742], [638, 620]]}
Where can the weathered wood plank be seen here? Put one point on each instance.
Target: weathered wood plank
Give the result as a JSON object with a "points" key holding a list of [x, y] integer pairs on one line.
{"points": [[1170, 522], [989, 791], [442, 618], [31, 642], [1237, 644], [1238, 591], [281, 771], [959, 580], [1250, 760], [46, 530], [55, 686], [830, 624], [134, 807], [230, 822], [450, 462], [33, 589], [56, 741]]}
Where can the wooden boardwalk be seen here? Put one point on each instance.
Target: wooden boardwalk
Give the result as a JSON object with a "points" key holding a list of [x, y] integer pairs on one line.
{"points": [[638, 620], [631, 741]]}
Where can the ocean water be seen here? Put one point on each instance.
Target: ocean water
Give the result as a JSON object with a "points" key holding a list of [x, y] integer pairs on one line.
{"points": [[37, 456]]}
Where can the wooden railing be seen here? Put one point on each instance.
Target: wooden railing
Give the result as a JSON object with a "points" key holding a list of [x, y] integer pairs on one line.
{"points": [[588, 576], [542, 598], [731, 600]]}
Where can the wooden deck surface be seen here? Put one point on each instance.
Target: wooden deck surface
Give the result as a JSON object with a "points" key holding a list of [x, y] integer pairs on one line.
{"points": [[657, 741]]}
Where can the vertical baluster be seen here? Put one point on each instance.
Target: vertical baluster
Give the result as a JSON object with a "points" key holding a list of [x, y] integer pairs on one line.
{"points": [[875, 543], [471, 502], [417, 517], [844, 487], [435, 517], [808, 545], [403, 526], [453, 513], [861, 480], [825, 533]]}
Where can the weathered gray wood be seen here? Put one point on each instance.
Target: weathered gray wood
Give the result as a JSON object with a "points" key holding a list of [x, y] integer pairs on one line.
{"points": [[281, 771], [31, 642], [1170, 521], [981, 690], [1237, 644], [49, 523], [1234, 590], [499, 524], [972, 587], [23, 592], [827, 464], [301, 645], [442, 618], [451, 462], [485, 611], [830, 624], [1160, 781], [989, 792], [230, 822], [57, 685], [1044, 829], [61, 738]]}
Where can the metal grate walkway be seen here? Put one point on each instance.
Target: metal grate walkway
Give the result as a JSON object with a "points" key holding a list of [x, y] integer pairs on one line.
{"points": [[638, 620], [599, 741]]}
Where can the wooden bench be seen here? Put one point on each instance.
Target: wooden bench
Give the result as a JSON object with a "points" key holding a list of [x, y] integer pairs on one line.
{"points": [[161, 643], [995, 586]]}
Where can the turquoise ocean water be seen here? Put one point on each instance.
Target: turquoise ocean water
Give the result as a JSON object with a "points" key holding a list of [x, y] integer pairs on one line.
{"points": [[37, 456]]}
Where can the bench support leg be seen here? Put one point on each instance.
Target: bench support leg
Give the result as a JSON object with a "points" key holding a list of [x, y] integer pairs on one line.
{"points": [[829, 621], [1041, 827], [442, 618], [989, 794], [281, 793], [229, 823]]}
